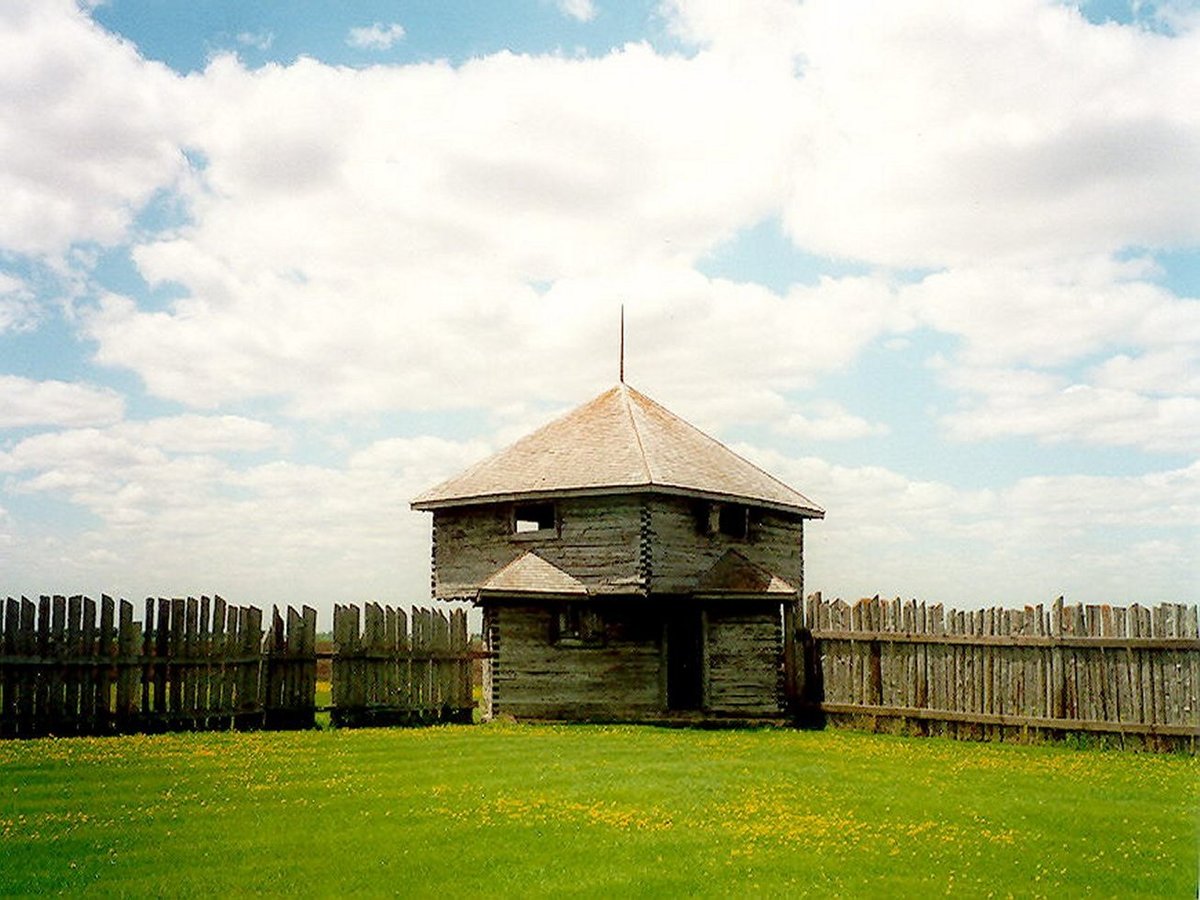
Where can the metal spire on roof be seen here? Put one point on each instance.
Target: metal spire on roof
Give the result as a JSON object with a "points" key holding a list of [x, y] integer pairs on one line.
{"points": [[622, 343]]}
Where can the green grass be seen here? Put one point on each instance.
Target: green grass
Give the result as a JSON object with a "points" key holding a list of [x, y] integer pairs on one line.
{"points": [[508, 809]]}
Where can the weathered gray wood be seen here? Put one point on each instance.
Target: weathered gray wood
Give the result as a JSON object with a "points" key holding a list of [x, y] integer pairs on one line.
{"points": [[538, 680], [275, 698], [1131, 704], [27, 645], [1192, 707], [1157, 669], [89, 714], [1057, 663], [381, 675], [404, 662], [491, 645], [70, 651], [1146, 666], [127, 669], [937, 699], [177, 669], [10, 676], [191, 650], [422, 645], [337, 686], [204, 664], [598, 542], [308, 649], [1134, 671], [224, 621], [158, 618], [55, 648], [1039, 658], [744, 650], [439, 646], [1177, 683], [204, 679], [989, 674], [464, 700]]}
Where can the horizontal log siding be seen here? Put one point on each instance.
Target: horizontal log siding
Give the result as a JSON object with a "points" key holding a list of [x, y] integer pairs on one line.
{"points": [[538, 679], [680, 553], [744, 656], [598, 543]]}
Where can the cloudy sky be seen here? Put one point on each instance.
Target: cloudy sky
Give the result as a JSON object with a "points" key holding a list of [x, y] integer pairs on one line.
{"points": [[269, 270]]}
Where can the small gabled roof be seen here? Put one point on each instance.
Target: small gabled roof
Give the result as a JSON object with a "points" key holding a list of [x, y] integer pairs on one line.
{"points": [[619, 442], [734, 574], [530, 574]]}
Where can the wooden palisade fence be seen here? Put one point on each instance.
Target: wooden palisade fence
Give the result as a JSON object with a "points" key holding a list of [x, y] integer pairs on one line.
{"points": [[190, 664], [993, 673], [290, 670], [400, 670], [72, 666]]}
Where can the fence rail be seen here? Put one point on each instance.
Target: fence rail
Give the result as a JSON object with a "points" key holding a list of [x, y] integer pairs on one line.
{"points": [[71, 666], [983, 673]]}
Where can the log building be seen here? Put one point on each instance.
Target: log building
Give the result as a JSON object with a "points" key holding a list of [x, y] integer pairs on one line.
{"points": [[628, 567]]}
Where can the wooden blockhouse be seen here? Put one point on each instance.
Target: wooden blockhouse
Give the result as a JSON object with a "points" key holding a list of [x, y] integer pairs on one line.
{"points": [[628, 566]]}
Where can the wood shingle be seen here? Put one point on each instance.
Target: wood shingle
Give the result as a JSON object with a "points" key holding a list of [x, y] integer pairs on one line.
{"points": [[621, 441]]}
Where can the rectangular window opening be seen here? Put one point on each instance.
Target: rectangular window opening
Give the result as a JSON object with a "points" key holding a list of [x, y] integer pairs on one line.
{"points": [[530, 518], [578, 625], [734, 520]]}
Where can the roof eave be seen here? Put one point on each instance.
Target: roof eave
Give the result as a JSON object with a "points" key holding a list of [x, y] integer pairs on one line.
{"points": [[807, 512], [780, 596], [513, 594]]}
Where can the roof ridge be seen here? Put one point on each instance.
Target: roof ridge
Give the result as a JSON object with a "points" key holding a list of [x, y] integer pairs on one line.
{"points": [[720, 443], [637, 434]]}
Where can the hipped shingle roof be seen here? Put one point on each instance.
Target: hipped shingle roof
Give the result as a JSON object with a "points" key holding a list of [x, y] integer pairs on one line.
{"points": [[620, 442], [530, 574], [734, 574]]}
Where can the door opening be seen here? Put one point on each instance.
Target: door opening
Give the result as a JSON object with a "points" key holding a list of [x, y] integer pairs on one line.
{"points": [[685, 659]]}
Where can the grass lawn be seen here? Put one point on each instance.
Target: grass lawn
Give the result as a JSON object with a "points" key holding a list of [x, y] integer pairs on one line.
{"points": [[510, 809]]}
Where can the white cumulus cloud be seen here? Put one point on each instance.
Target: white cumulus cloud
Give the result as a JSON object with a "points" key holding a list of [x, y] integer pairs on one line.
{"points": [[827, 421], [24, 402], [18, 307], [376, 36], [90, 129], [260, 40], [938, 133], [581, 10], [434, 237]]}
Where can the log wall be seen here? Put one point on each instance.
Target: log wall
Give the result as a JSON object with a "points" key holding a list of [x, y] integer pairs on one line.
{"points": [[598, 542], [531, 675], [616, 544], [535, 677], [679, 552], [743, 659]]}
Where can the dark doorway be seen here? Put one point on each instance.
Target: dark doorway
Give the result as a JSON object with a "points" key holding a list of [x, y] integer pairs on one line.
{"points": [[685, 664]]}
